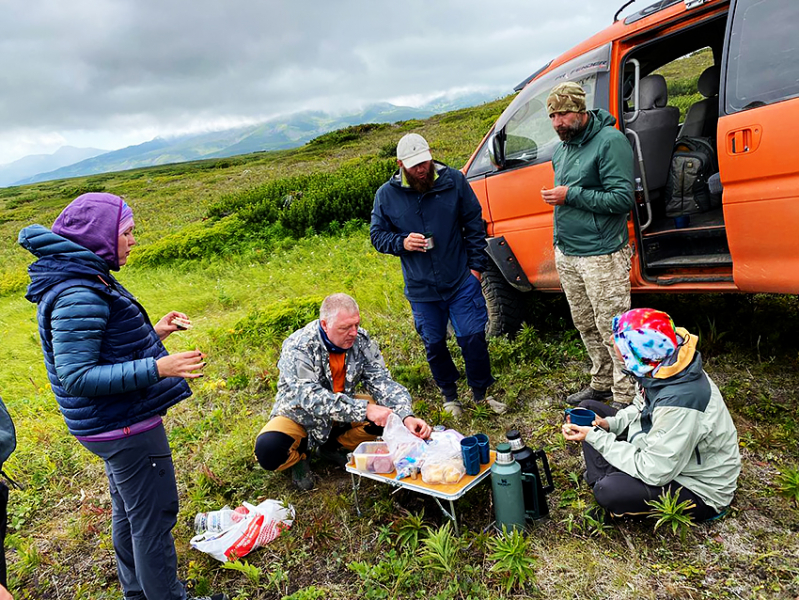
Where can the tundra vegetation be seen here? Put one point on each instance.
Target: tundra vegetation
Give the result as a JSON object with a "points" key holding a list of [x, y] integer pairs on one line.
{"points": [[248, 246]]}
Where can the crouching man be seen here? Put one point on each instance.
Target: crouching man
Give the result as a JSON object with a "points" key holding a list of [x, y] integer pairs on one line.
{"points": [[677, 435], [316, 406]]}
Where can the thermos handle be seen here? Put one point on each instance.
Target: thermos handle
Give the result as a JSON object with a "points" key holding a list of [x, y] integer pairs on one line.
{"points": [[550, 487], [535, 513]]}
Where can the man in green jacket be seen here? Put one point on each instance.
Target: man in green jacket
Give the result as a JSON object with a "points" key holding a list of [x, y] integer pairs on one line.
{"points": [[592, 197]]}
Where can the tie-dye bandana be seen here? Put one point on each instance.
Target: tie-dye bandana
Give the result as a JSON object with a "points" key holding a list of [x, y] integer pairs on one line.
{"points": [[645, 337]]}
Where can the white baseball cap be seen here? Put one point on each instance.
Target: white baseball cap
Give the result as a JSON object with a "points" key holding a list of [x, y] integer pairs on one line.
{"points": [[412, 150]]}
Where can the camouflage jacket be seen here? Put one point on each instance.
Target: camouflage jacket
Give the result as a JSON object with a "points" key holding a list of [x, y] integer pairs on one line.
{"points": [[304, 390]]}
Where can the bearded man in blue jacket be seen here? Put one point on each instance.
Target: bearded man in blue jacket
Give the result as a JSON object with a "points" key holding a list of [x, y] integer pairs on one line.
{"points": [[428, 215]]}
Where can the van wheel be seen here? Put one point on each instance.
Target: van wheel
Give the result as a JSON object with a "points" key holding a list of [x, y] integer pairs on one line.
{"points": [[506, 304]]}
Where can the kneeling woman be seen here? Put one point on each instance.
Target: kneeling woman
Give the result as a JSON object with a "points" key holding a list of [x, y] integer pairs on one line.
{"points": [[677, 434]]}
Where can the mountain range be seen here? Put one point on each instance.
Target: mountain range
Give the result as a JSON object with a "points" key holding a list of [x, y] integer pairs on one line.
{"points": [[275, 134], [29, 166]]}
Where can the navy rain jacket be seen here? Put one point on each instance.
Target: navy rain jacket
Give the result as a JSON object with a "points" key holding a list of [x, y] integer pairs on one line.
{"points": [[451, 212], [99, 345]]}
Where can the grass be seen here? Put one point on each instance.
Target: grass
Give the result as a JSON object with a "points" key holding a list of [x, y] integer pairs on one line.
{"points": [[60, 523], [242, 304]]}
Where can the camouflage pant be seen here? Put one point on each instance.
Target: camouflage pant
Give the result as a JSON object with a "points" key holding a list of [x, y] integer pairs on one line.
{"points": [[598, 289]]}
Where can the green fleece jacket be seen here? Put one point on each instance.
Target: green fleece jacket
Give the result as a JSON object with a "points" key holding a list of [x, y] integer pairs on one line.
{"points": [[679, 430], [597, 167]]}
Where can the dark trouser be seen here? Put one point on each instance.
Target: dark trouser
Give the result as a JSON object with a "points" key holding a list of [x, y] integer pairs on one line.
{"points": [[621, 494], [467, 312], [144, 499]]}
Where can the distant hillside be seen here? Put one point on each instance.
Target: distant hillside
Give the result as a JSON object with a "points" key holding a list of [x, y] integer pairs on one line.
{"points": [[29, 166], [277, 134]]}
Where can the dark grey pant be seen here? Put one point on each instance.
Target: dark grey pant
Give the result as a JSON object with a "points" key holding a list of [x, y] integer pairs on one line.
{"points": [[144, 499]]}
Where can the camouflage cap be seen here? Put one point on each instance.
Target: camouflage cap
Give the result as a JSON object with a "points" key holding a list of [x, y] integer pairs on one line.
{"points": [[566, 97]]}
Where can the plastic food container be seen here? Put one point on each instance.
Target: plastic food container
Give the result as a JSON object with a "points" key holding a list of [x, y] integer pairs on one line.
{"points": [[373, 457]]}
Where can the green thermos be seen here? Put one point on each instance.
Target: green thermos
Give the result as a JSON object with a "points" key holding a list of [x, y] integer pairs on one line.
{"points": [[506, 485]]}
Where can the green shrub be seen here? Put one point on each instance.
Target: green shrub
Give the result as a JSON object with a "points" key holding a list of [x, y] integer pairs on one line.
{"points": [[277, 320], [347, 134], [196, 240], [288, 207]]}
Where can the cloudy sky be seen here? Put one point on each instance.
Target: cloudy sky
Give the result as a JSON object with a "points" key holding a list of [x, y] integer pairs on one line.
{"points": [[110, 73]]}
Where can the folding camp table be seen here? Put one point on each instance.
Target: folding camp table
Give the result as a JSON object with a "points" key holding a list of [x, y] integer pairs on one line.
{"points": [[444, 491]]}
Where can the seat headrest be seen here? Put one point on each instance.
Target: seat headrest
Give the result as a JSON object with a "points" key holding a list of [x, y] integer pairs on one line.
{"points": [[654, 93], [708, 84]]}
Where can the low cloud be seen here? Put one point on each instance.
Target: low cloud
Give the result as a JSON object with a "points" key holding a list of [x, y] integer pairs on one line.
{"points": [[113, 67]]}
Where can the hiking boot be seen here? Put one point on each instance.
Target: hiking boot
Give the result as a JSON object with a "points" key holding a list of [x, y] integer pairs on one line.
{"points": [[334, 455], [454, 408], [618, 405], [498, 407], [588, 393], [301, 476], [213, 597]]}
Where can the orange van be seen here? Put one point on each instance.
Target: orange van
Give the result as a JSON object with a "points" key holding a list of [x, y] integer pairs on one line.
{"points": [[747, 109]]}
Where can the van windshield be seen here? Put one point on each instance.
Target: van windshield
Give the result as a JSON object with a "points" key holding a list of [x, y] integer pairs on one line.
{"points": [[529, 136]]}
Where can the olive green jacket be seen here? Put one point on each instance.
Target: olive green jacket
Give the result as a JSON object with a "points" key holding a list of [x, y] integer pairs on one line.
{"points": [[597, 167]]}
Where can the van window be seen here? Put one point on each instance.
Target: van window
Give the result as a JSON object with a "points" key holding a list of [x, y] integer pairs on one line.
{"points": [[529, 136], [482, 162], [763, 54]]}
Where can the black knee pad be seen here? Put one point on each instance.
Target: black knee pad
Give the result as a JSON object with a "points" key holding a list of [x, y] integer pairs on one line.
{"points": [[272, 449]]}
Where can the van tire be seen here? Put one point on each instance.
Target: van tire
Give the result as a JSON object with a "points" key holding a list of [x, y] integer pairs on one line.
{"points": [[506, 304]]}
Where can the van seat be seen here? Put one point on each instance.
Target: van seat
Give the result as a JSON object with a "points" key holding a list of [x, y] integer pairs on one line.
{"points": [[656, 126], [702, 116]]}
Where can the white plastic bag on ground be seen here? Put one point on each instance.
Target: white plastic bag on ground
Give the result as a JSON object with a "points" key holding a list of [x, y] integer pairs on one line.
{"points": [[263, 524]]}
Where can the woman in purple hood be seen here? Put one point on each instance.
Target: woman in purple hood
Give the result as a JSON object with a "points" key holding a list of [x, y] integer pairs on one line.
{"points": [[113, 379]]}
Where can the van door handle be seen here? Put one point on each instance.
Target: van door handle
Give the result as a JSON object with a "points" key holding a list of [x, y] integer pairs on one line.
{"points": [[741, 141]]}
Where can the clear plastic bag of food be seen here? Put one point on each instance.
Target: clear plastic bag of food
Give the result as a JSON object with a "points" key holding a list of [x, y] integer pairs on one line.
{"points": [[442, 461], [406, 448]]}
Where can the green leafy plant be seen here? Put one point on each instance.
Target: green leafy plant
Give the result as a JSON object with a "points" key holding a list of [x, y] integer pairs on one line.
{"points": [[788, 482], [384, 535], [440, 549], [252, 572], [595, 519], [387, 578], [239, 381], [672, 513], [408, 530], [481, 412], [573, 523], [277, 578], [514, 561], [310, 593]]}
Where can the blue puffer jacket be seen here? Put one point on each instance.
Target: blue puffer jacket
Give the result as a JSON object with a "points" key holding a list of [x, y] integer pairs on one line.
{"points": [[452, 213], [100, 348]]}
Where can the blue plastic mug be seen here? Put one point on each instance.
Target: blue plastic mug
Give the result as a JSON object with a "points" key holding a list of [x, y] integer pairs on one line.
{"points": [[471, 455], [482, 444], [581, 416]]}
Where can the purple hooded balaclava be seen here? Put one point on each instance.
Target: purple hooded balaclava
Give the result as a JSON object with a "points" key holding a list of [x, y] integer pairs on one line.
{"points": [[95, 221]]}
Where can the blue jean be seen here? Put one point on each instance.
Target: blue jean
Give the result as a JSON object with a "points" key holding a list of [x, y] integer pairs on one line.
{"points": [[144, 499], [467, 312]]}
